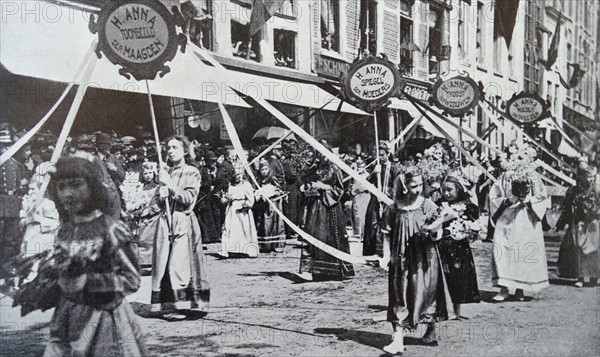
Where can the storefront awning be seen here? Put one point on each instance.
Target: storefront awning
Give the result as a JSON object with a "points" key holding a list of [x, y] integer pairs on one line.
{"points": [[54, 47], [285, 91]]}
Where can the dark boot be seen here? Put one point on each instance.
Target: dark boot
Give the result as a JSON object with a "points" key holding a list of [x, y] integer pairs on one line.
{"points": [[430, 336]]}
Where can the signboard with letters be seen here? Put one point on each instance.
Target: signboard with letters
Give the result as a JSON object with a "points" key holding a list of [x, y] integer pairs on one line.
{"points": [[417, 91], [371, 82], [456, 95], [138, 35], [330, 67], [527, 108]]}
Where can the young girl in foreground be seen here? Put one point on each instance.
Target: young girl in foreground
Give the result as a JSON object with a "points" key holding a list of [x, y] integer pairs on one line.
{"points": [[417, 290], [92, 317], [454, 249]]}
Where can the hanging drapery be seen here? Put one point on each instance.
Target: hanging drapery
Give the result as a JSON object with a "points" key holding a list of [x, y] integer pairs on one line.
{"points": [[505, 18]]}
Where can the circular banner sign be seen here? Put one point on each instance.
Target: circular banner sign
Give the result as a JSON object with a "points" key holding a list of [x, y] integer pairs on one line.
{"points": [[139, 35], [526, 108], [371, 82], [457, 95]]}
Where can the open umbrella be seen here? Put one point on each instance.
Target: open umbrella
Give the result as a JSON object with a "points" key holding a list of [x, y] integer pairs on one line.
{"points": [[272, 132]]}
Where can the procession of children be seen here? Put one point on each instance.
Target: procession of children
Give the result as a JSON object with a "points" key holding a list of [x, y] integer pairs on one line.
{"points": [[86, 260]]}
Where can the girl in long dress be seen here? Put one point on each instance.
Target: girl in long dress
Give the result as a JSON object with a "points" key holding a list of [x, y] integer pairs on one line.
{"points": [[147, 213], [325, 222], [179, 276], [518, 202], [239, 231], [92, 317], [455, 252], [360, 201], [417, 290], [578, 256], [39, 218], [270, 226]]}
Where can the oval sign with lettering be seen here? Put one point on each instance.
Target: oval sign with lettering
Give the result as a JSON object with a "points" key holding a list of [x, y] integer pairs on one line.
{"points": [[371, 82], [138, 35], [457, 95], [526, 108]]}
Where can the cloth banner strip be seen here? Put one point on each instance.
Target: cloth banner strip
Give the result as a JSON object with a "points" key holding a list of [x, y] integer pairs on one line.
{"points": [[457, 145], [267, 150], [66, 129], [25, 139], [578, 131], [305, 136], [539, 162], [515, 125], [235, 140], [404, 131], [463, 130]]}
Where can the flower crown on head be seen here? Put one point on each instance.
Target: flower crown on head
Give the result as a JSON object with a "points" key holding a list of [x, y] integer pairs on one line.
{"points": [[410, 169], [521, 165]]}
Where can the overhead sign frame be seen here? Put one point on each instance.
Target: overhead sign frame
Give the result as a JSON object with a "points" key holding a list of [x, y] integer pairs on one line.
{"points": [[527, 108], [371, 82], [457, 95], [138, 35]]}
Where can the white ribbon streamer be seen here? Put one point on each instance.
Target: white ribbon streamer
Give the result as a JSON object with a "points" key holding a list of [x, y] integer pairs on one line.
{"points": [[25, 139], [237, 145]]}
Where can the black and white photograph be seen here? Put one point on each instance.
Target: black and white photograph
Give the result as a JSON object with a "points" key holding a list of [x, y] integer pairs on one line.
{"points": [[299, 178]]}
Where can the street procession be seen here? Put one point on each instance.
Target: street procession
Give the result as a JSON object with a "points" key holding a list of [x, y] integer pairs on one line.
{"points": [[299, 177]]}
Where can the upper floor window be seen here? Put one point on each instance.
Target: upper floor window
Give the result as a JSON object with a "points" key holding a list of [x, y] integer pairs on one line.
{"points": [[198, 14], [480, 45], [330, 25], [406, 7], [462, 36], [436, 29], [240, 42], [284, 48], [407, 46]]}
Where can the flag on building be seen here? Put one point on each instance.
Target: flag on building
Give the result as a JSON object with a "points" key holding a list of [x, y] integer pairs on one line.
{"points": [[505, 17], [553, 50], [262, 10]]}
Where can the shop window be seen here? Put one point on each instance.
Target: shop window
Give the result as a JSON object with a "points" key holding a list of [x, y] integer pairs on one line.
{"points": [[330, 25], [284, 48], [199, 22], [240, 42]]}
